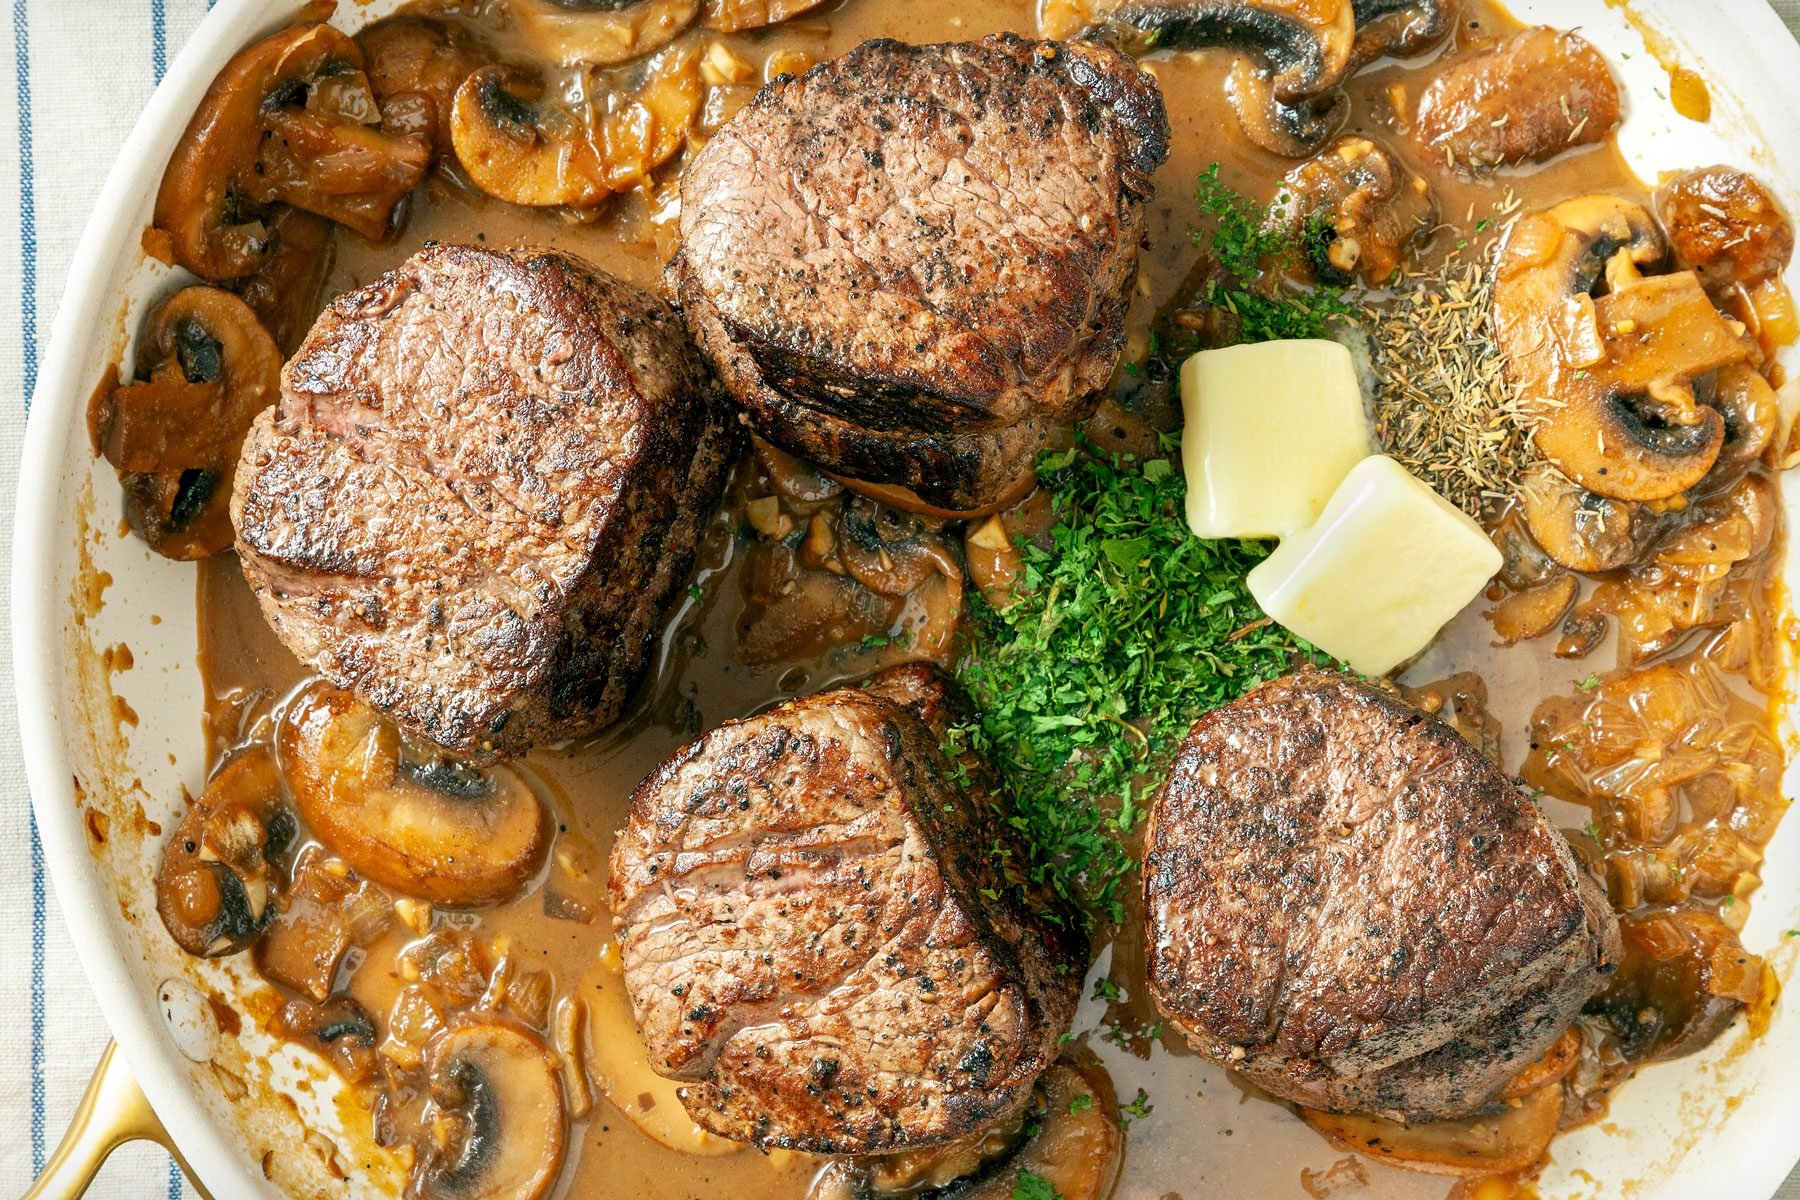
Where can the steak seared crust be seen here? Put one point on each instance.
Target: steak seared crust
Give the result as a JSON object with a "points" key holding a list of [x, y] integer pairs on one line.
{"points": [[817, 938], [1344, 901], [910, 264], [484, 482]]}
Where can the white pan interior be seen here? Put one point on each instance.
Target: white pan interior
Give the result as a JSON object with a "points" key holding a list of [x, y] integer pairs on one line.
{"points": [[258, 1117]]}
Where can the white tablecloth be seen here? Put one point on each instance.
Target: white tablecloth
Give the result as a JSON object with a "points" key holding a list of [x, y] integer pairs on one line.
{"points": [[82, 70]]}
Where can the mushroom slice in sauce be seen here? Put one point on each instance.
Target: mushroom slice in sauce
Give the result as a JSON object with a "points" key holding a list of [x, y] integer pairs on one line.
{"points": [[1724, 224], [216, 887], [1581, 530], [496, 1090], [1401, 28], [422, 824], [1294, 52], [601, 33], [1604, 357], [1067, 1134], [521, 145], [286, 291], [1355, 212], [415, 66], [205, 368], [616, 1063], [337, 1030], [1524, 100], [1510, 1140], [289, 120]]}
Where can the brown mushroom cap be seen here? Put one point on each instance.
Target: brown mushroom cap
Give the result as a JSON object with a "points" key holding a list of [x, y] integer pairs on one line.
{"points": [[1724, 224], [1294, 52], [601, 33], [205, 368], [430, 828], [290, 119], [215, 887], [1355, 211], [1605, 358], [1580, 530], [1401, 28], [495, 1086], [519, 145], [415, 66], [1511, 1140]]}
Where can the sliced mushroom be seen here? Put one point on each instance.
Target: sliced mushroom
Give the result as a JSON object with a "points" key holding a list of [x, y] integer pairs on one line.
{"points": [[325, 912], [496, 1099], [904, 498], [289, 120], [1355, 212], [1401, 28], [1752, 416], [1581, 530], [890, 551], [285, 291], [1526, 99], [1532, 612], [1067, 1134], [733, 16], [1512, 1139], [1551, 1069], [1605, 358], [205, 368], [415, 66], [1724, 224], [619, 1068], [601, 33], [1294, 53], [1684, 978], [337, 1030], [420, 823], [216, 887], [521, 145]]}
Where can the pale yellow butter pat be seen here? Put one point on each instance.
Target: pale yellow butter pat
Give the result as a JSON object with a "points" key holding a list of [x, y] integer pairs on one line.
{"points": [[1386, 566], [1270, 430]]}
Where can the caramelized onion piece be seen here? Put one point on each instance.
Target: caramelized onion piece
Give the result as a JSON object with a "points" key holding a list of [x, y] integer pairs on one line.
{"points": [[1512, 1139], [422, 824], [205, 368], [600, 33], [215, 890], [496, 1091], [732, 16], [289, 120]]}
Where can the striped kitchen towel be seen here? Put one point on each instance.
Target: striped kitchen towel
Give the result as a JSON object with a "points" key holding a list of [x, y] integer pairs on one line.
{"points": [[82, 70]]}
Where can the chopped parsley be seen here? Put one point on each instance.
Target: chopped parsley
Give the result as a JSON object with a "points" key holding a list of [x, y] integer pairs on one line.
{"points": [[1032, 1186], [1080, 1103], [1137, 1110], [1121, 633], [1250, 251]]}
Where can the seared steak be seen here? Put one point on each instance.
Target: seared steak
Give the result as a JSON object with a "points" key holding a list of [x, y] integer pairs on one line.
{"points": [[483, 484], [910, 263], [1344, 901], [817, 936]]}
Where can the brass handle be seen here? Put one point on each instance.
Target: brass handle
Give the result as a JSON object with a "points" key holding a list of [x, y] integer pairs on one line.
{"points": [[114, 1111]]}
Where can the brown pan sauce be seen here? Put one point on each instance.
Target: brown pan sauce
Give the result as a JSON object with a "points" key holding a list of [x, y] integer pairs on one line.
{"points": [[1671, 761]]}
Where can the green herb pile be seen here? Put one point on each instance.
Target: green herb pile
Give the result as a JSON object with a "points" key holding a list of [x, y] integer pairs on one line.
{"points": [[1127, 628], [1250, 253], [1120, 634]]}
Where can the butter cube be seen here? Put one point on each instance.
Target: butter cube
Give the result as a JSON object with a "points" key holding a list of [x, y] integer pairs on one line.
{"points": [[1270, 430], [1386, 566]]}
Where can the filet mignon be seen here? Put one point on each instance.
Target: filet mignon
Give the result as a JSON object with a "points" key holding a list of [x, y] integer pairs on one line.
{"points": [[817, 935], [1344, 901], [483, 484], [911, 263]]}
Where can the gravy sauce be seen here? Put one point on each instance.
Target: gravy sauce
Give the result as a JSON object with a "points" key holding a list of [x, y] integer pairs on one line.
{"points": [[1200, 1135]]}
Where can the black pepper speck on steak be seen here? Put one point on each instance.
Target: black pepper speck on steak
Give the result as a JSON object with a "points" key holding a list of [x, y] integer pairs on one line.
{"points": [[1345, 902], [911, 263], [817, 935], [483, 485]]}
